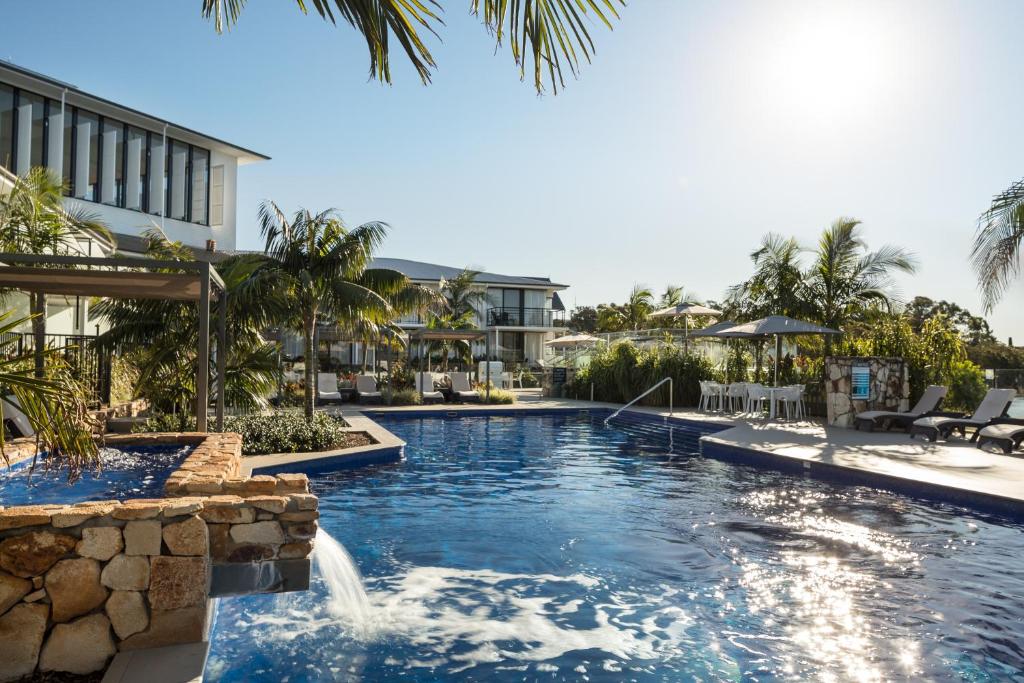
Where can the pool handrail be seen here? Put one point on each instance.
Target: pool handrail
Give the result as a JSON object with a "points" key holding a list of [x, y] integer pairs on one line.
{"points": [[658, 384]]}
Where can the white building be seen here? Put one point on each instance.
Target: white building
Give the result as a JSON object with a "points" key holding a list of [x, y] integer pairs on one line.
{"points": [[132, 170]]}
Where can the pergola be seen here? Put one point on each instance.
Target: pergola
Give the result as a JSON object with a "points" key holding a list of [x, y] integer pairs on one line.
{"points": [[427, 334], [132, 278]]}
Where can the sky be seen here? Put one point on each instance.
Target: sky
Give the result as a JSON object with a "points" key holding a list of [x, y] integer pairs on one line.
{"points": [[699, 127]]}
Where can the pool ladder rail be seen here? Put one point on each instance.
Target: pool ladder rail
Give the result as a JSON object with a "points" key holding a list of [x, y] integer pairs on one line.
{"points": [[656, 385]]}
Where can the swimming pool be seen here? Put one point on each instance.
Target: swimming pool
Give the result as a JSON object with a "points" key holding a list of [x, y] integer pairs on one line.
{"points": [[126, 472], [555, 548]]}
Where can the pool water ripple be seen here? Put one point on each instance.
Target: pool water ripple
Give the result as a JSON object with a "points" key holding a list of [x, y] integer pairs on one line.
{"points": [[554, 548]]}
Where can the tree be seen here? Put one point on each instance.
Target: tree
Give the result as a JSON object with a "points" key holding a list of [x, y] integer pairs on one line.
{"points": [[456, 309], [34, 220], [996, 252], [583, 319], [318, 271], [632, 315], [845, 277], [777, 286], [973, 329], [545, 35]]}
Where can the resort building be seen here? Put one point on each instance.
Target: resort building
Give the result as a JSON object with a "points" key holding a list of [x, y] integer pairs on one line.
{"points": [[131, 170]]}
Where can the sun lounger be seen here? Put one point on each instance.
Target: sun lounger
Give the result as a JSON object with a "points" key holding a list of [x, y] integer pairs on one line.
{"points": [[18, 419], [425, 385], [461, 390], [1006, 432], [926, 405], [366, 389], [995, 404], [327, 387]]}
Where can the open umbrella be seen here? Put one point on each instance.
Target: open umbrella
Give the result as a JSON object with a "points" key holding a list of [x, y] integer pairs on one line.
{"points": [[685, 310], [777, 326], [719, 330], [572, 340]]}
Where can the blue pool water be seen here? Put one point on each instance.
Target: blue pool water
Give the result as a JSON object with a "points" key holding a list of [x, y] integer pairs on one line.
{"points": [[555, 548], [135, 472]]}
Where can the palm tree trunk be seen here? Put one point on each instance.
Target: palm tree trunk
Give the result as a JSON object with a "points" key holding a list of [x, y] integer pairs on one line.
{"points": [[310, 327], [37, 305]]}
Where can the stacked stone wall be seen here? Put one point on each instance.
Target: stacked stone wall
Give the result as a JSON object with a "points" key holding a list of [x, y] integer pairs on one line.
{"points": [[889, 389]]}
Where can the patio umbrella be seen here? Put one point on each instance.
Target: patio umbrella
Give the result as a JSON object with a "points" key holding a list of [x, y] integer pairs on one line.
{"points": [[719, 330], [778, 326], [685, 310], [572, 340]]}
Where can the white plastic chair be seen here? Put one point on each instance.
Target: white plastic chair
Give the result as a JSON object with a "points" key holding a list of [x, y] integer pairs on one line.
{"points": [[789, 397], [737, 391], [757, 397], [708, 396]]}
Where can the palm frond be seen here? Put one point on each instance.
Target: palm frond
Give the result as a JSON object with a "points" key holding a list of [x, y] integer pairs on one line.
{"points": [[995, 255]]}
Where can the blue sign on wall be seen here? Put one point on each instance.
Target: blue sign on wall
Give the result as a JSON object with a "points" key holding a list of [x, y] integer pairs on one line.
{"points": [[861, 380]]}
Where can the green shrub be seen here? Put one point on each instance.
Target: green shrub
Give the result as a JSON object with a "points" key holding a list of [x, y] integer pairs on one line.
{"points": [[622, 371], [286, 432], [167, 422], [499, 396], [967, 386], [401, 397]]}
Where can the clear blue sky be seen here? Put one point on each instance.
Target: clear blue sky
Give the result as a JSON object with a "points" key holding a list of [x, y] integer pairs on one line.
{"points": [[699, 127]]}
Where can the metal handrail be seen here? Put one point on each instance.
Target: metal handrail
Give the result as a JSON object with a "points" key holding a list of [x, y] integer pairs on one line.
{"points": [[667, 379]]}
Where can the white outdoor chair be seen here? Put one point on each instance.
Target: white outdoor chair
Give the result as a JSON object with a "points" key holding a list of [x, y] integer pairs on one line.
{"points": [[327, 386], [506, 380], [758, 397], [518, 377], [708, 396], [13, 414], [425, 385], [366, 389], [789, 397], [461, 389], [737, 391]]}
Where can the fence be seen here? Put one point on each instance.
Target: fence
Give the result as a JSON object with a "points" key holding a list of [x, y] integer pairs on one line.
{"points": [[87, 363]]}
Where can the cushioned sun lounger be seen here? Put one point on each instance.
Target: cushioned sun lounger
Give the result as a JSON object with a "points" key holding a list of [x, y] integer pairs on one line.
{"points": [[1006, 432], [995, 404], [327, 386], [425, 385], [461, 389], [366, 389], [928, 403]]}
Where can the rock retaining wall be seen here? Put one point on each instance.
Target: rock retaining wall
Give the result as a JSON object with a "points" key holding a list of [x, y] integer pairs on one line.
{"points": [[889, 389], [78, 583]]}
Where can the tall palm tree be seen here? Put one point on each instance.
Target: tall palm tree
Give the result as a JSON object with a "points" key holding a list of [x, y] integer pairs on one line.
{"points": [[460, 298], [632, 315], [34, 220], [845, 278], [996, 252], [777, 286], [544, 35], [319, 270]]}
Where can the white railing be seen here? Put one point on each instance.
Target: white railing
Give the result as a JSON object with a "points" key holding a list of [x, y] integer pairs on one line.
{"points": [[667, 379]]}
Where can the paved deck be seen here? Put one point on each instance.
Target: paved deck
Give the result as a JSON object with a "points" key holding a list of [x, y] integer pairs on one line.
{"points": [[958, 468]]}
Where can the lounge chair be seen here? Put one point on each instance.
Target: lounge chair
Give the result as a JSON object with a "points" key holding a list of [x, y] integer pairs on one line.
{"points": [[925, 406], [425, 385], [995, 404], [327, 387], [14, 417], [1007, 432], [461, 390], [366, 390]]}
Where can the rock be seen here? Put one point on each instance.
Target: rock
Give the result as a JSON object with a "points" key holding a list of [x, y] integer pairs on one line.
{"points": [[74, 588], [21, 635], [294, 551], [176, 582], [187, 538], [220, 541], [260, 483], [126, 573], [127, 613], [33, 553], [251, 553], [12, 590], [293, 483], [302, 530], [226, 514], [142, 537], [304, 516], [258, 532], [138, 509], [36, 596], [24, 515], [275, 504], [81, 647], [170, 627], [100, 543], [182, 506], [304, 501]]}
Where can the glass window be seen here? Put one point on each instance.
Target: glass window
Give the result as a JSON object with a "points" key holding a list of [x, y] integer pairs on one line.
{"points": [[69, 151], [113, 162], [29, 152], [87, 155], [6, 127], [217, 195], [54, 136], [157, 174], [135, 169], [200, 185], [512, 298], [178, 160]]}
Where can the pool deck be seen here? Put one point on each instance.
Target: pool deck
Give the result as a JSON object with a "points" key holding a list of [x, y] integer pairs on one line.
{"points": [[954, 470]]}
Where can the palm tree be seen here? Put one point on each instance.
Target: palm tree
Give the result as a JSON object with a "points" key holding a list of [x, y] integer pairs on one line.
{"points": [[632, 315], [996, 252], [845, 278], [777, 286], [34, 220], [456, 309], [543, 34], [319, 271]]}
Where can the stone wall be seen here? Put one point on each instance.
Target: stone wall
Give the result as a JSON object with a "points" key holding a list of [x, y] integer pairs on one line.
{"points": [[889, 390], [78, 583]]}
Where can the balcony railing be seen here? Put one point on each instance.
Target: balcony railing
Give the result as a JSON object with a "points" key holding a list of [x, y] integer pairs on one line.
{"points": [[510, 316]]}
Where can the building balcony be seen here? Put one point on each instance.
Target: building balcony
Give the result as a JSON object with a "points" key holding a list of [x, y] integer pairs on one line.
{"points": [[510, 316]]}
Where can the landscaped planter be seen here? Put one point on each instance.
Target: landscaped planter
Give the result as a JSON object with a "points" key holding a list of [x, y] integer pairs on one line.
{"points": [[78, 583]]}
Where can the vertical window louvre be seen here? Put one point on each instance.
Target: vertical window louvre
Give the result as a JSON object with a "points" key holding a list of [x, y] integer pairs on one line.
{"points": [[217, 195], [179, 179], [7, 127], [68, 160], [112, 183], [54, 137], [87, 150], [135, 168], [157, 174], [200, 186]]}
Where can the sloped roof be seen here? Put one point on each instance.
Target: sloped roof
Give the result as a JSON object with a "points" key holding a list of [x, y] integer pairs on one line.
{"points": [[431, 272]]}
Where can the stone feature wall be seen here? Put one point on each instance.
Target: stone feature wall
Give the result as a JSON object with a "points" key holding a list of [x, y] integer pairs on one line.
{"points": [[78, 583], [890, 387]]}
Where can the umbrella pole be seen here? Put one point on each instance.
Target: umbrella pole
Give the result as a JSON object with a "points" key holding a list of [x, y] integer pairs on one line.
{"points": [[778, 357]]}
